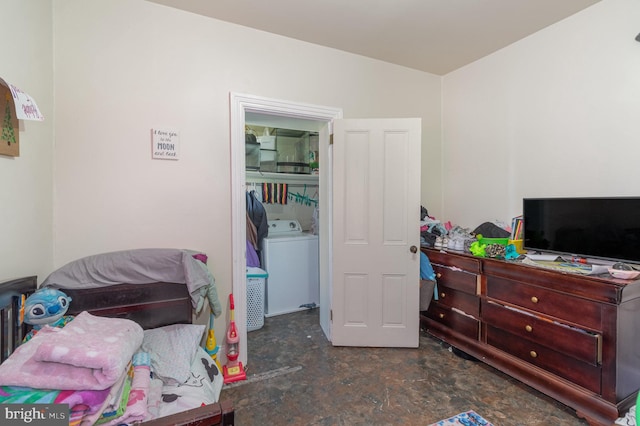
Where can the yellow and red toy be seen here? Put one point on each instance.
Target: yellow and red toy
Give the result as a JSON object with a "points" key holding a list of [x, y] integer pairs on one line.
{"points": [[233, 371], [212, 347]]}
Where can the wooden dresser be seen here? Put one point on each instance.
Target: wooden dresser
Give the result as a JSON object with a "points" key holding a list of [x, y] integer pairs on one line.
{"points": [[575, 338]]}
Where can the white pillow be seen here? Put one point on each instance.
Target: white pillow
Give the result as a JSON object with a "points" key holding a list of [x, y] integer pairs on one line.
{"points": [[172, 349], [204, 370], [203, 387]]}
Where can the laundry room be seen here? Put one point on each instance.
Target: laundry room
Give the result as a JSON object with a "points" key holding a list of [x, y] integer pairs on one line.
{"points": [[282, 192]]}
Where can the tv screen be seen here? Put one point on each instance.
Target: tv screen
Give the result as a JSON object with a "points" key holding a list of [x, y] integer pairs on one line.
{"points": [[605, 228]]}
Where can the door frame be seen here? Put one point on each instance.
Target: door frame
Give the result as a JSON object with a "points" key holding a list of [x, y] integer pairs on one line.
{"points": [[240, 104]]}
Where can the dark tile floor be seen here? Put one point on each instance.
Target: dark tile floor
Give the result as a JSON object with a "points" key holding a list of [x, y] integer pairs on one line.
{"points": [[295, 377]]}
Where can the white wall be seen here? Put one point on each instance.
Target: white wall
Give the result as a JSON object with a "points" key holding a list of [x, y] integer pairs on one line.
{"points": [[123, 67], [26, 242], [556, 114]]}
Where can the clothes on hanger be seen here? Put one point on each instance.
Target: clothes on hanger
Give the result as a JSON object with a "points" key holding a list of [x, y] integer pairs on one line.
{"points": [[274, 193], [252, 232], [258, 216]]}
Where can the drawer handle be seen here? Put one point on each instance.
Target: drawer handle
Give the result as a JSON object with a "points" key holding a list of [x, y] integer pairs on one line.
{"points": [[533, 354], [528, 328], [438, 275], [534, 299], [443, 295], [441, 316]]}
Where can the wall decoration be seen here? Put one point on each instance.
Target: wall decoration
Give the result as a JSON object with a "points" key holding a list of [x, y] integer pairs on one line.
{"points": [[9, 135], [165, 144], [14, 105]]}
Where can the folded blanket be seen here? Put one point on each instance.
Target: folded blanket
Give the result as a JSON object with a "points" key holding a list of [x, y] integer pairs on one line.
{"points": [[118, 403], [136, 408], [89, 353], [91, 419], [81, 403]]}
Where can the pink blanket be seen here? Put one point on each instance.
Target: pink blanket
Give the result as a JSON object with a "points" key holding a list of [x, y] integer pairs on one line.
{"points": [[81, 402], [89, 353]]}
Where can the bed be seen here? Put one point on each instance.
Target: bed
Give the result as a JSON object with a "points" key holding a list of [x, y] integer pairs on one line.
{"points": [[158, 308]]}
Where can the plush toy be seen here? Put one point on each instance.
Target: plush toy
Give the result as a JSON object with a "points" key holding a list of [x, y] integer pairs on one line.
{"points": [[511, 252], [477, 249], [47, 306]]}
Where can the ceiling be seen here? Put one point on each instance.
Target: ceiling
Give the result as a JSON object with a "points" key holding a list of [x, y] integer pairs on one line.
{"points": [[436, 36]]}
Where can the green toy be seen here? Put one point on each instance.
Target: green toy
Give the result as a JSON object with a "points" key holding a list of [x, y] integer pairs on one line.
{"points": [[477, 249]]}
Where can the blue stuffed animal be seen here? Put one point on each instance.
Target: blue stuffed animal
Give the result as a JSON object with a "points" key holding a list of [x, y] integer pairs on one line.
{"points": [[47, 306]]}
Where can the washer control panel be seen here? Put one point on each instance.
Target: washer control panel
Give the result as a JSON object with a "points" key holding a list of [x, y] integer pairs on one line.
{"points": [[284, 226]]}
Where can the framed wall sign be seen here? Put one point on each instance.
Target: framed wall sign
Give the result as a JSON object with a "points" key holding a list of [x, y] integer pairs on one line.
{"points": [[165, 144]]}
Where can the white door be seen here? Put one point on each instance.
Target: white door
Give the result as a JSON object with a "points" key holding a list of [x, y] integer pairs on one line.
{"points": [[376, 232]]}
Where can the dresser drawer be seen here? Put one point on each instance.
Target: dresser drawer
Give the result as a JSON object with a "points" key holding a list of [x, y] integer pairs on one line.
{"points": [[466, 263], [545, 301], [586, 375], [576, 343], [463, 324], [457, 279], [467, 303]]}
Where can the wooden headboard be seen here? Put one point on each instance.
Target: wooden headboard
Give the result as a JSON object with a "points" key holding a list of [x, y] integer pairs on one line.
{"points": [[150, 305]]}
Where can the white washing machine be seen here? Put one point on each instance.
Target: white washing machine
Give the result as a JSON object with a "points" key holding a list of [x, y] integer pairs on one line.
{"points": [[290, 257]]}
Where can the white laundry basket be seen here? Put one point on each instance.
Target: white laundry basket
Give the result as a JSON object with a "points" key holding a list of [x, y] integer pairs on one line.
{"points": [[256, 278]]}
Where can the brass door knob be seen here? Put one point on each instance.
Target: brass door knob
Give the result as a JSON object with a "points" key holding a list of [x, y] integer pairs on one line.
{"points": [[438, 275], [443, 295], [528, 328], [441, 316], [534, 299], [413, 249], [533, 354]]}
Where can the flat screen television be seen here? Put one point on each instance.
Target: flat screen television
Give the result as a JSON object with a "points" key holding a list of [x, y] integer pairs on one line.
{"points": [[601, 228]]}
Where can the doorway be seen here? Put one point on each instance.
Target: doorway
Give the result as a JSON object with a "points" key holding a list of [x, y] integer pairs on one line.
{"points": [[286, 114]]}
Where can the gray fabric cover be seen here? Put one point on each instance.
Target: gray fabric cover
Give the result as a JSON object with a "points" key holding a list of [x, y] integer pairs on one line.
{"points": [[140, 266]]}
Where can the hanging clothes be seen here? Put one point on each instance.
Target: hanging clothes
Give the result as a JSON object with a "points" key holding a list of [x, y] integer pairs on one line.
{"points": [[275, 193], [258, 216], [252, 232], [252, 256], [252, 243]]}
